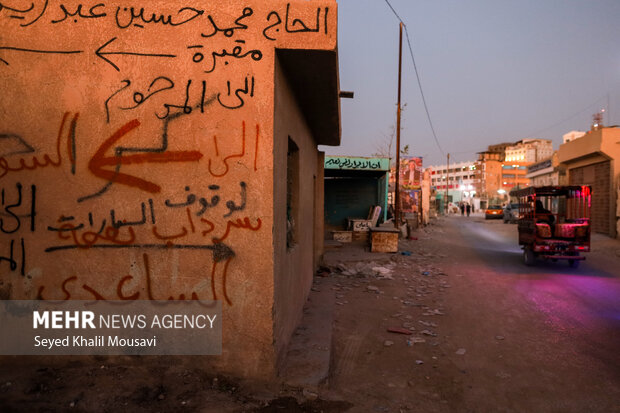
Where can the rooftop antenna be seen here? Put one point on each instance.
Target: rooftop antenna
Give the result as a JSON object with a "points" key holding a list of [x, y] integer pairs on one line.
{"points": [[597, 120]]}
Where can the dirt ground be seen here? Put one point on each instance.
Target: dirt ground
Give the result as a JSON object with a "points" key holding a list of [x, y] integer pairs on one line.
{"points": [[460, 341], [488, 333]]}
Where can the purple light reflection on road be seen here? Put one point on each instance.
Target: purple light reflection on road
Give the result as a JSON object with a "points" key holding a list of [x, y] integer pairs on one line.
{"points": [[569, 301]]}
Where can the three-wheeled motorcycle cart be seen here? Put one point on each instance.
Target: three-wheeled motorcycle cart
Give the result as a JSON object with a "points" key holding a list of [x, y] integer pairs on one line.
{"points": [[554, 223]]}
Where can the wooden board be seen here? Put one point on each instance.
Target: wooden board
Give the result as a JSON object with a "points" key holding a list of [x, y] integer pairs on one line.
{"points": [[384, 240]]}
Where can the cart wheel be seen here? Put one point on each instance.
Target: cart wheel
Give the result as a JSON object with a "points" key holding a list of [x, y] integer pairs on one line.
{"points": [[573, 263], [529, 258]]}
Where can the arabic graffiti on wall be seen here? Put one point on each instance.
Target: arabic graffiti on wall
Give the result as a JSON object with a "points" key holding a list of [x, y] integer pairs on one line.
{"points": [[134, 144]]}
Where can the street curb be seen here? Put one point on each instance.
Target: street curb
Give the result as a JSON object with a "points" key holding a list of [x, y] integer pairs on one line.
{"points": [[308, 358]]}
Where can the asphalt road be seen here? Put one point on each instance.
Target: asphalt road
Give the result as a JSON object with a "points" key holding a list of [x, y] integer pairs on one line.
{"points": [[541, 338]]}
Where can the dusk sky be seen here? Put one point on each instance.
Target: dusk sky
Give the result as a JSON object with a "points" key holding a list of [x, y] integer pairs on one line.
{"points": [[491, 72]]}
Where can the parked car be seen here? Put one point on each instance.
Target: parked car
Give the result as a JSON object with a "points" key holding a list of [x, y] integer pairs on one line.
{"points": [[511, 213], [494, 212]]}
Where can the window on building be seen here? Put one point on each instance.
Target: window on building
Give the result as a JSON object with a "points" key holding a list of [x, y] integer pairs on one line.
{"points": [[292, 193]]}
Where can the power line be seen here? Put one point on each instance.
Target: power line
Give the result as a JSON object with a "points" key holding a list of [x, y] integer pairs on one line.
{"points": [[394, 11], [428, 115], [415, 67]]}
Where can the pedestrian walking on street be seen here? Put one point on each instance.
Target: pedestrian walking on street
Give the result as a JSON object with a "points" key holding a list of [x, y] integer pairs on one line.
{"points": [[462, 209], [468, 208]]}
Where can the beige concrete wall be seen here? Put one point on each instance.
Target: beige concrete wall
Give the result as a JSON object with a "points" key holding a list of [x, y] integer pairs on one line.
{"points": [[593, 148], [294, 264], [319, 210], [137, 154], [586, 146], [611, 137]]}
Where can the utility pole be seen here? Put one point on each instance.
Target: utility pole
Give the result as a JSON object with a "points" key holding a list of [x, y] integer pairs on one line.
{"points": [[397, 189], [447, 183]]}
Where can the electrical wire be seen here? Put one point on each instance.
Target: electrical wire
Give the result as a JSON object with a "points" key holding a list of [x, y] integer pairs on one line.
{"points": [[415, 67], [394, 11], [428, 115]]}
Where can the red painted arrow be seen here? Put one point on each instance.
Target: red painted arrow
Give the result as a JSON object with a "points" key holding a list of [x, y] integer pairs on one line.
{"points": [[100, 160]]}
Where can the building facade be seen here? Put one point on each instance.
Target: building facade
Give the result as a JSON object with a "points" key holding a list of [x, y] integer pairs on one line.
{"points": [[503, 167], [488, 178], [458, 179], [594, 159], [547, 172], [514, 175], [528, 151], [186, 169], [353, 185]]}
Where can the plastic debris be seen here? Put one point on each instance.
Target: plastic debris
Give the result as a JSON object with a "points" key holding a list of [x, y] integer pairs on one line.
{"points": [[382, 270], [310, 395], [399, 330], [415, 340]]}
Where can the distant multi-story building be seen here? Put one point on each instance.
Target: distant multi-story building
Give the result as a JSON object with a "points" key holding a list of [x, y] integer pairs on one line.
{"points": [[488, 177], [504, 167], [499, 148], [498, 170], [459, 180], [514, 175], [529, 151], [518, 157]]}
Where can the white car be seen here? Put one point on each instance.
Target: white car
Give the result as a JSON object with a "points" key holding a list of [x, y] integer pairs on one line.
{"points": [[511, 213]]}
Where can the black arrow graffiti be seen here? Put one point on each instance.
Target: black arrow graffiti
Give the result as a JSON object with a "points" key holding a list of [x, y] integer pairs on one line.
{"points": [[11, 144], [21, 49], [101, 54], [221, 251]]}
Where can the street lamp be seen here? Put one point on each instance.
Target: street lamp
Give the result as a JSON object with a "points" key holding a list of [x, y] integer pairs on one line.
{"points": [[502, 192]]}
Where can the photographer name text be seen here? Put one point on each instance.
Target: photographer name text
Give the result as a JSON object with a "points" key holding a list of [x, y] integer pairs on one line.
{"points": [[97, 341]]}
